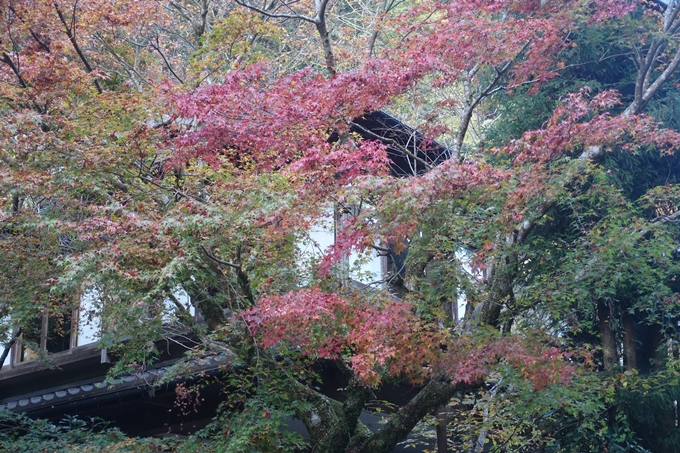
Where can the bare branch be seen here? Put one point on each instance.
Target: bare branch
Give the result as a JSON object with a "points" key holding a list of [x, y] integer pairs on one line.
{"points": [[276, 15], [128, 67], [523, 230], [35, 36], [671, 13], [319, 21], [70, 32], [157, 47], [472, 103], [433, 395], [183, 312], [592, 153], [393, 143], [40, 42], [174, 190], [671, 218]]}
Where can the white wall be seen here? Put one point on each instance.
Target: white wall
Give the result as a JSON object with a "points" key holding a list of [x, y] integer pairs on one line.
{"points": [[89, 325], [364, 268]]}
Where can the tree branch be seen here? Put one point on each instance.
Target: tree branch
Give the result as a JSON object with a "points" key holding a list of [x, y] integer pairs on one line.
{"points": [[469, 109], [70, 32], [433, 395], [217, 260], [241, 277], [319, 21], [523, 230], [128, 67], [174, 190], [644, 90], [35, 36], [340, 434], [157, 47], [8, 61], [276, 15], [8, 348], [183, 312], [671, 218], [391, 142]]}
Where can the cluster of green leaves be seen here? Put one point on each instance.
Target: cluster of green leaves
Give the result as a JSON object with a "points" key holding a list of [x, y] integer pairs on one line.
{"points": [[20, 434]]}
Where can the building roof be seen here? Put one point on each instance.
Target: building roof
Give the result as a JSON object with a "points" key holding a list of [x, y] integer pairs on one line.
{"points": [[410, 153]]}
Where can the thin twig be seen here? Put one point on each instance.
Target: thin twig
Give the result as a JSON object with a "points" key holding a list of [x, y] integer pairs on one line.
{"points": [[393, 143]]}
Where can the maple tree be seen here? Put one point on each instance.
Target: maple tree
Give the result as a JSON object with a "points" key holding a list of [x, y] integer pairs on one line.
{"points": [[153, 148]]}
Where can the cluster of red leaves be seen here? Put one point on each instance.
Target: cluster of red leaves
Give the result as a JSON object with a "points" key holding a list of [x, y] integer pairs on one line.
{"points": [[39, 62], [273, 125], [581, 121], [252, 115], [470, 359], [387, 338], [384, 337], [493, 33]]}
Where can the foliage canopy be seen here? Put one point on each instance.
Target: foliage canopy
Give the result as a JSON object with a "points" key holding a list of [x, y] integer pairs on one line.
{"points": [[152, 148]]}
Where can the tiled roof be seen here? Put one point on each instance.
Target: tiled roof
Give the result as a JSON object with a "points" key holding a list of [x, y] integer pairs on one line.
{"points": [[102, 387]]}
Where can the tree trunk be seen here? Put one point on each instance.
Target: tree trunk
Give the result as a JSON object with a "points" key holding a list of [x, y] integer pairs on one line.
{"points": [[327, 48], [442, 422], [432, 396], [338, 436], [629, 344], [609, 356], [203, 300], [500, 292], [656, 351]]}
